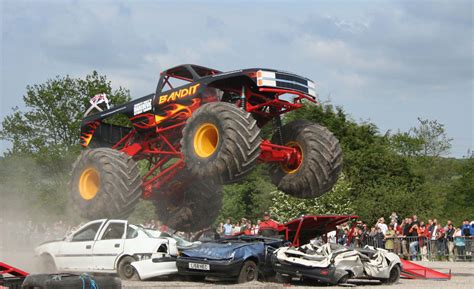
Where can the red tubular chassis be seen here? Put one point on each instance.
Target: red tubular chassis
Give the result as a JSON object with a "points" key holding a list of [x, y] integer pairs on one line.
{"points": [[158, 119]]}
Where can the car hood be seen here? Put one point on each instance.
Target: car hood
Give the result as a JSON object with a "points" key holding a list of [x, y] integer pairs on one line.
{"points": [[51, 241], [213, 250]]}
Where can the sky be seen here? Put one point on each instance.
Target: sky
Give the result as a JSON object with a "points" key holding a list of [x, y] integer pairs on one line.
{"points": [[387, 62]]}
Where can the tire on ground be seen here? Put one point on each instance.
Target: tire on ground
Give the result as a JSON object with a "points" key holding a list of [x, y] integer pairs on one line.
{"points": [[321, 161], [394, 276], [191, 207], [105, 183], [125, 270], [221, 141], [70, 281], [248, 272]]}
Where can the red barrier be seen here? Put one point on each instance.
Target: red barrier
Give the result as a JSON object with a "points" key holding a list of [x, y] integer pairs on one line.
{"points": [[414, 271]]}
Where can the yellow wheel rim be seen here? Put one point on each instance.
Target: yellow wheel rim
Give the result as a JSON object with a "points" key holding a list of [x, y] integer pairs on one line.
{"points": [[206, 140], [89, 183], [293, 168]]}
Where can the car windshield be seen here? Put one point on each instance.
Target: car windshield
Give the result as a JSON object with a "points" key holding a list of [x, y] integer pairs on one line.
{"points": [[180, 242]]}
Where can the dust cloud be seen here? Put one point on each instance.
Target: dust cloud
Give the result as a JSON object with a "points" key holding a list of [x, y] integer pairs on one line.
{"points": [[25, 220]]}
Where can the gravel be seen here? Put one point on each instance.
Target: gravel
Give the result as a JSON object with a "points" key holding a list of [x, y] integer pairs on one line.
{"points": [[462, 277]]}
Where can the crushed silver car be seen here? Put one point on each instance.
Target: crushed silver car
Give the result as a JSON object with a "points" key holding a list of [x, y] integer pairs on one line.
{"points": [[336, 264]]}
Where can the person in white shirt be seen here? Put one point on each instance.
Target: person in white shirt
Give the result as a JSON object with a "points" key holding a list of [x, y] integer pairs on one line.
{"points": [[381, 224], [227, 228], [331, 237]]}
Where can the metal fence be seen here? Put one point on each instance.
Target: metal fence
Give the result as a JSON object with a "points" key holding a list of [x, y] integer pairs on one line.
{"points": [[423, 248]]}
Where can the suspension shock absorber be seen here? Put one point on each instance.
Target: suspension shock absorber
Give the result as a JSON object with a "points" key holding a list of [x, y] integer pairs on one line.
{"points": [[243, 99], [277, 124]]}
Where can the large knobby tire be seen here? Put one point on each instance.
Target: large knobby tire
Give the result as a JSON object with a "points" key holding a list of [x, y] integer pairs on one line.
{"points": [[394, 276], [192, 207], [221, 142], [248, 272], [105, 183], [320, 165], [125, 270], [69, 281]]}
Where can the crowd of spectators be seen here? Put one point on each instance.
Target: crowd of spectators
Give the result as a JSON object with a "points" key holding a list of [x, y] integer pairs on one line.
{"points": [[244, 226], [410, 237]]}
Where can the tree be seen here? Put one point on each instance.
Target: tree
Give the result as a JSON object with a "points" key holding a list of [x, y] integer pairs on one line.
{"points": [[45, 138], [406, 144], [337, 201], [54, 111], [458, 204], [435, 141], [248, 198], [376, 172]]}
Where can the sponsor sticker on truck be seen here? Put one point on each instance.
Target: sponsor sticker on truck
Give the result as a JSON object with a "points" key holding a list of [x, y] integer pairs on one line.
{"points": [[142, 107]]}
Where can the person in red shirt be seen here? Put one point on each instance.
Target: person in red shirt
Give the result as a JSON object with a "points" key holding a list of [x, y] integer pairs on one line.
{"points": [[268, 227], [423, 237]]}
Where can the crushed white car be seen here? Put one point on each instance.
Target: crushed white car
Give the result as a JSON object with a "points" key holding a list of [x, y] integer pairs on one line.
{"points": [[109, 246], [336, 264], [163, 260]]}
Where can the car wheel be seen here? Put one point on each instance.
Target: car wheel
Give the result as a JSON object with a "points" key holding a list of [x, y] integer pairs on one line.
{"points": [[125, 269], [394, 276], [343, 279], [248, 272], [46, 264]]}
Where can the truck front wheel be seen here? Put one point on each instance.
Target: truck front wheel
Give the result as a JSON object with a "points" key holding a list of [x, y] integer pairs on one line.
{"points": [[221, 142], [105, 183]]}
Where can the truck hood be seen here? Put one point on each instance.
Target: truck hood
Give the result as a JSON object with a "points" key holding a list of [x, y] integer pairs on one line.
{"points": [[214, 251]]}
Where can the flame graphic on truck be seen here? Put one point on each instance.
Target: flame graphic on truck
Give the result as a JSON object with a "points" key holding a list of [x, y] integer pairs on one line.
{"points": [[173, 111]]}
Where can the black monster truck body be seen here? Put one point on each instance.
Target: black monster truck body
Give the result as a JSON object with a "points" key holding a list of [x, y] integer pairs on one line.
{"points": [[198, 135]]}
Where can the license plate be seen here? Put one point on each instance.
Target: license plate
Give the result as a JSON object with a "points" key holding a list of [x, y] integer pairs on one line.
{"points": [[198, 266]]}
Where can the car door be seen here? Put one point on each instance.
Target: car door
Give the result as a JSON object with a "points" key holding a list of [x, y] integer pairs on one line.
{"points": [[109, 245], [162, 262], [76, 253]]}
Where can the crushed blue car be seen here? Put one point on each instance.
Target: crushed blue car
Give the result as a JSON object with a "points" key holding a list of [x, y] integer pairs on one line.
{"points": [[241, 258]]}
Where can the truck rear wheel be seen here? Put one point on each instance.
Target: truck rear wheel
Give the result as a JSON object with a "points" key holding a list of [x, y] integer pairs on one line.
{"points": [[320, 161], [221, 142], [195, 207], [105, 183]]}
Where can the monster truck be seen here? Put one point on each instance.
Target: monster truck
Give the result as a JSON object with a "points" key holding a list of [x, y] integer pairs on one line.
{"points": [[199, 131]]}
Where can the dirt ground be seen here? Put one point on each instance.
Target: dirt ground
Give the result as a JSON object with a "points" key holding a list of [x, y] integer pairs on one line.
{"points": [[462, 277]]}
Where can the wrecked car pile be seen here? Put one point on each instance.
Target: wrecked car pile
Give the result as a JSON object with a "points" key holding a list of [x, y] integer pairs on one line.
{"points": [[335, 264], [134, 252]]}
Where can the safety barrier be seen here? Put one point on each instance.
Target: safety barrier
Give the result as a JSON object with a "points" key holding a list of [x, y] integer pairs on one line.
{"points": [[423, 248]]}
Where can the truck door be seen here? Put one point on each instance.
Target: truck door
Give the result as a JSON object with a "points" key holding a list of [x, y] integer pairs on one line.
{"points": [[109, 245]]}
